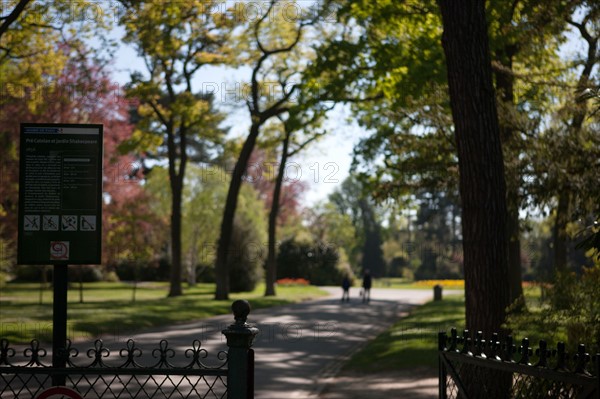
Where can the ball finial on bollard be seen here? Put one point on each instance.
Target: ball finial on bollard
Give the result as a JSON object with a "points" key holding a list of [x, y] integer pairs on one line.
{"points": [[241, 309]]}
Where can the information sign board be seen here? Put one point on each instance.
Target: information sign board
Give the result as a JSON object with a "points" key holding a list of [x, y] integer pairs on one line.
{"points": [[60, 194]]}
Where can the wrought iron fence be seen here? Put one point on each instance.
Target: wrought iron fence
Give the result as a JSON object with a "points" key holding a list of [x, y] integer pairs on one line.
{"points": [[473, 367], [131, 372]]}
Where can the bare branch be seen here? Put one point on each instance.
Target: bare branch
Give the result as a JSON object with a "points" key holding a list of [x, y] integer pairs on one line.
{"points": [[12, 17]]}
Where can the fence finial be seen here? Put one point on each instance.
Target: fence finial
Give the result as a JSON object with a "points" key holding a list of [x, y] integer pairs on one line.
{"points": [[241, 310]]}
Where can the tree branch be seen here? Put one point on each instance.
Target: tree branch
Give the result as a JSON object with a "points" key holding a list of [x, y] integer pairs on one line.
{"points": [[12, 17]]}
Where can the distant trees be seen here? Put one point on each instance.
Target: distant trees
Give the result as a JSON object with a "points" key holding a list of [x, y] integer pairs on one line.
{"points": [[273, 44], [438, 234], [424, 148], [84, 93], [351, 199], [202, 206], [34, 80], [414, 148], [175, 119]]}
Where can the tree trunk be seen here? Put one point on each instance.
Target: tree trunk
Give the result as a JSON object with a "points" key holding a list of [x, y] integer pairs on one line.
{"points": [[560, 232], [515, 274], [372, 257], [271, 266], [192, 274], [176, 191], [482, 184], [506, 88], [176, 176], [221, 269]]}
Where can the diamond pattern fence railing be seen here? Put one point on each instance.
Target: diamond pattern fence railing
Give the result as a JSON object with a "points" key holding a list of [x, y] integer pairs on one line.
{"points": [[98, 375], [472, 367], [130, 372]]}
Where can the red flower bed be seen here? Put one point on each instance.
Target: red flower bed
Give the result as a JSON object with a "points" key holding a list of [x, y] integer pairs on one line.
{"points": [[293, 281]]}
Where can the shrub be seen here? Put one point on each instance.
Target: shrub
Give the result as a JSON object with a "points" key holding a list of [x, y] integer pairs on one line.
{"points": [[28, 273], [150, 271], [245, 258], [85, 273], [315, 262], [33, 273], [570, 311]]}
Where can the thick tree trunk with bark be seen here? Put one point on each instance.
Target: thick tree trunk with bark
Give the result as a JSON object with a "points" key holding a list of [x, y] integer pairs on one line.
{"points": [[221, 269], [271, 266], [482, 184]]}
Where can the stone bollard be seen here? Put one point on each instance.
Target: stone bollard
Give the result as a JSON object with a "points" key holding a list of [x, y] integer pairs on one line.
{"points": [[437, 292], [240, 336]]}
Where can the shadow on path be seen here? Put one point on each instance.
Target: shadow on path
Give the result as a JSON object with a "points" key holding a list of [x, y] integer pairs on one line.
{"points": [[300, 346]]}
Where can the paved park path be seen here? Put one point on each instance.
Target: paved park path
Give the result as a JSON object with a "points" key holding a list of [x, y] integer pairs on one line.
{"points": [[301, 346]]}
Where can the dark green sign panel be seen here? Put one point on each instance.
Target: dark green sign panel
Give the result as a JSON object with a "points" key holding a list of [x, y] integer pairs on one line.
{"points": [[60, 194]]}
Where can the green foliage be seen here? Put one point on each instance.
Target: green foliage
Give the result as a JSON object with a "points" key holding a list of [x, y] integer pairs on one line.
{"points": [[203, 201], [176, 41], [591, 242], [314, 261], [6, 259], [352, 200], [35, 48], [175, 120], [569, 311], [386, 49], [440, 251]]}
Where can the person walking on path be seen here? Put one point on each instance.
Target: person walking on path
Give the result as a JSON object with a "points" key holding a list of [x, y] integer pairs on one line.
{"points": [[346, 288], [367, 281]]}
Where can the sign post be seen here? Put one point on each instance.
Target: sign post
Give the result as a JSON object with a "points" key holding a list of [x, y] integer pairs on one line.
{"points": [[60, 209]]}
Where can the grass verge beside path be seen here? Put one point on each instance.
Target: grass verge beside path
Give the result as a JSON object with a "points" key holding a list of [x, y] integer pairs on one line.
{"points": [[412, 341], [108, 308]]}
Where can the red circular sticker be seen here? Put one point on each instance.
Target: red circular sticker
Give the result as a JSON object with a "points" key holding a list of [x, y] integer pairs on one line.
{"points": [[59, 393], [59, 250]]}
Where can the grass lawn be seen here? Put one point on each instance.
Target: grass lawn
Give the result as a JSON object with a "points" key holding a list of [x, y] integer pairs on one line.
{"points": [[412, 341], [108, 307]]}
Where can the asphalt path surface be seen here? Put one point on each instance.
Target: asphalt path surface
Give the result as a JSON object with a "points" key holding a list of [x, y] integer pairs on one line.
{"points": [[299, 346]]}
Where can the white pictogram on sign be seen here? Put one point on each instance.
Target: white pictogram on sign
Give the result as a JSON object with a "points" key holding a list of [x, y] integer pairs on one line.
{"points": [[59, 250], [88, 223], [50, 222], [69, 223], [31, 223]]}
